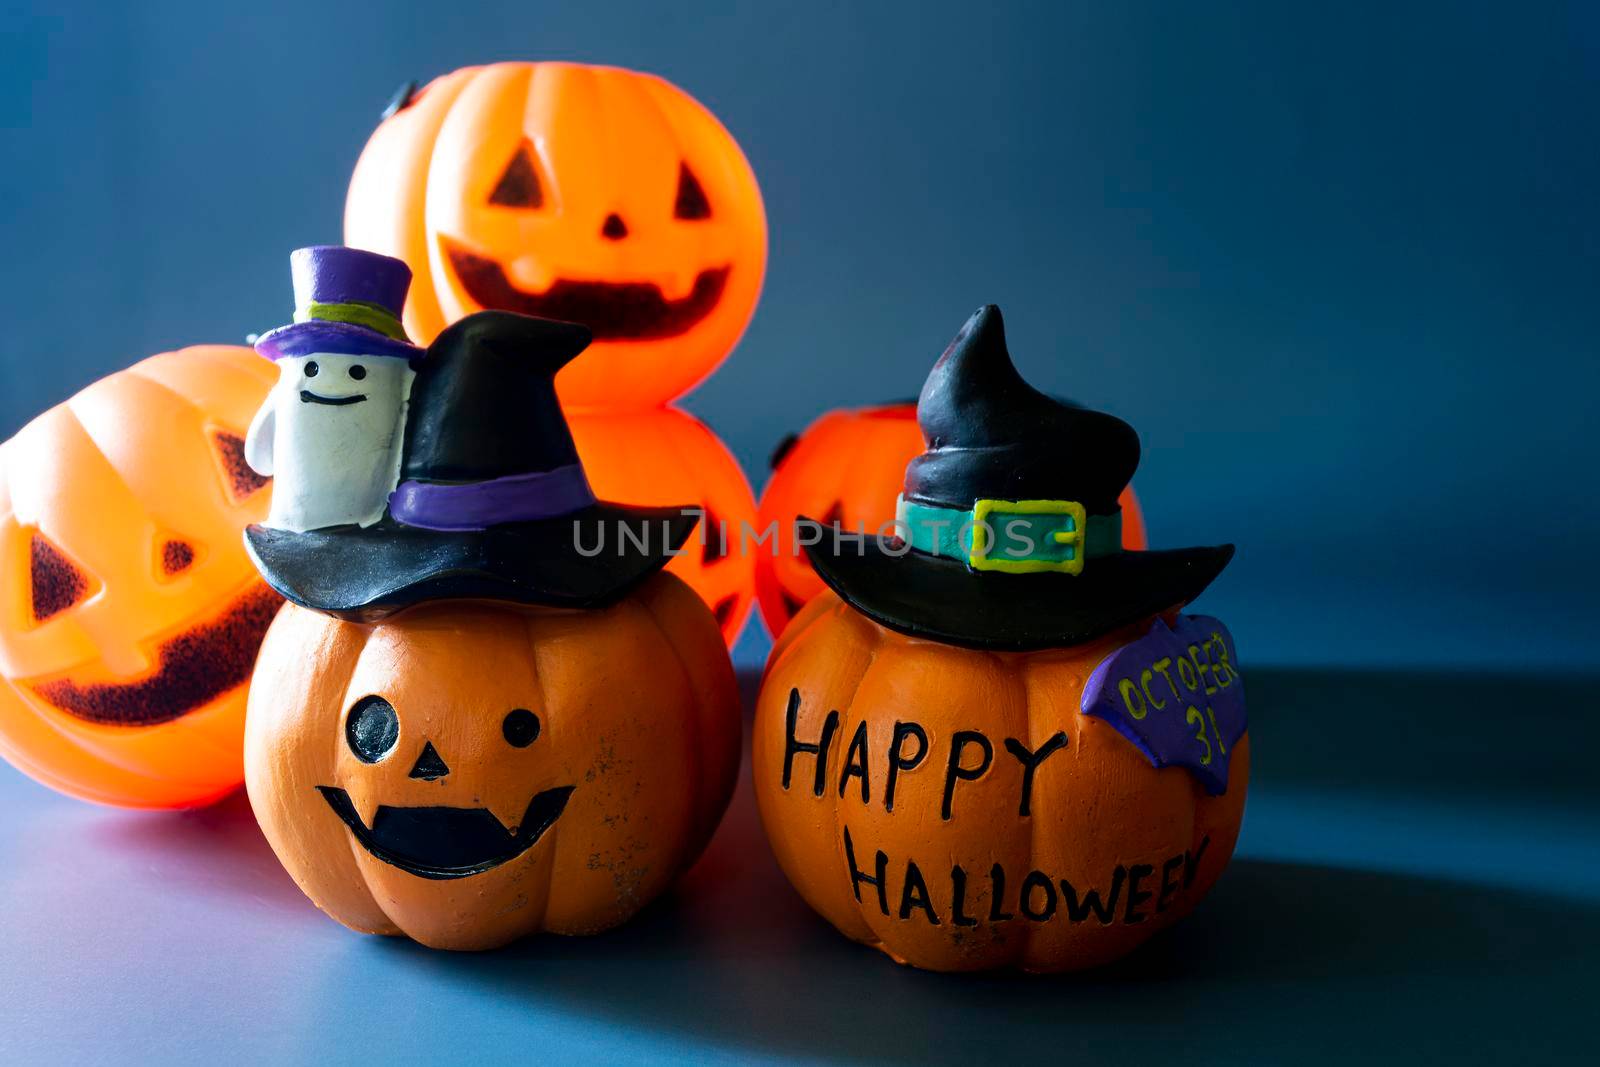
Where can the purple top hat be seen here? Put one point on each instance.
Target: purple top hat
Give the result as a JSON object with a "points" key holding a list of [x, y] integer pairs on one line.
{"points": [[347, 302]]}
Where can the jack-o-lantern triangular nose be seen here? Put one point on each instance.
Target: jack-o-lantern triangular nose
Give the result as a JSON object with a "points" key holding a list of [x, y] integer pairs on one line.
{"points": [[429, 766], [614, 229]]}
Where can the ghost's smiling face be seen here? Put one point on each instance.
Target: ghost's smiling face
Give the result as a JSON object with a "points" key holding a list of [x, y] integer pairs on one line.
{"points": [[339, 421], [336, 381]]}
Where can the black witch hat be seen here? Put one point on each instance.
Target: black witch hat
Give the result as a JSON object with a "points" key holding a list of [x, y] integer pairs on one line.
{"points": [[492, 501], [1010, 534]]}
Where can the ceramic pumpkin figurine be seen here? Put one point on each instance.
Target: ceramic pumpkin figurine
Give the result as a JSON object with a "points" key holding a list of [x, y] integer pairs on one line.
{"points": [[995, 741], [667, 456], [588, 194], [486, 714], [130, 616], [409, 790], [846, 468]]}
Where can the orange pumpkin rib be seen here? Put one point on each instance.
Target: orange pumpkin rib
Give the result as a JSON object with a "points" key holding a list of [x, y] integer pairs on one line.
{"points": [[794, 840], [99, 417], [213, 378], [719, 721], [560, 848], [306, 655]]}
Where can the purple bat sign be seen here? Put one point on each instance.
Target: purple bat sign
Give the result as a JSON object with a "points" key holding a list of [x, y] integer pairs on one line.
{"points": [[1176, 694]]}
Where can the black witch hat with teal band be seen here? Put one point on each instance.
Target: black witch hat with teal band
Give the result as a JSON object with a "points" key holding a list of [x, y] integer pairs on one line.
{"points": [[1010, 534]]}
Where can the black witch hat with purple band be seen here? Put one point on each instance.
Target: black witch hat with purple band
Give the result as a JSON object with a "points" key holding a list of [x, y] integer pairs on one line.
{"points": [[492, 501]]}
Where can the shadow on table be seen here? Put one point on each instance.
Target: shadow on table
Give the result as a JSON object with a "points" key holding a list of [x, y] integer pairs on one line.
{"points": [[217, 849], [736, 958], [746, 965], [1285, 960]]}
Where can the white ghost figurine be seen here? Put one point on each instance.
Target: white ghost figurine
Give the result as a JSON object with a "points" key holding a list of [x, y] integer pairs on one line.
{"points": [[330, 433]]}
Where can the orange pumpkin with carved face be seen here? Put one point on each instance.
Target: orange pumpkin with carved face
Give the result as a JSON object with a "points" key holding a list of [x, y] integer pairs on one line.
{"points": [[410, 791], [565, 191], [846, 468], [130, 616], [666, 457]]}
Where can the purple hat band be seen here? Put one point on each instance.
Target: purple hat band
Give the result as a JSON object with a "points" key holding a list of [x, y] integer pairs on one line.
{"points": [[334, 274], [479, 505], [332, 338]]}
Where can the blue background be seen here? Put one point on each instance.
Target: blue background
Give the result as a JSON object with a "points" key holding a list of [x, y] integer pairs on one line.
{"points": [[1337, 263]]}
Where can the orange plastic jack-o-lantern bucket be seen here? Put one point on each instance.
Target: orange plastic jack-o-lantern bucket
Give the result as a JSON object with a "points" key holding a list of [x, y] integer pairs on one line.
{"points": [[581, 193], [130, 617]]}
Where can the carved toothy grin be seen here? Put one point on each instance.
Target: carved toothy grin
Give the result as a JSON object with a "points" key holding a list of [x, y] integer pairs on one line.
{"points": [[192, 669], [441, 842], [308, 397], [613, 311]]}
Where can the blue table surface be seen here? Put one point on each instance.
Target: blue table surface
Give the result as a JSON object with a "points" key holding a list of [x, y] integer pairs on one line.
{"points": [[1418, 876]]}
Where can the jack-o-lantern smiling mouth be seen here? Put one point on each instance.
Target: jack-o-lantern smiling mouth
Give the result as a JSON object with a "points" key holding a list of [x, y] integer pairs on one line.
{"points": [[192, 669], [440, 842], [613, 311]]}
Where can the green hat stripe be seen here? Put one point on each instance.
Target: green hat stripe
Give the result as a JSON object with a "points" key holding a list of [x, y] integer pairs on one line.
{"points": [[356, 313]]}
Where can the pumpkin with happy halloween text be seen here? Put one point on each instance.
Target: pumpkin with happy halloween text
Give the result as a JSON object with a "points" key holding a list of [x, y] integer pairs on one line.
{"points": [[667, 456], [846, 468], [574, 192], [409, 790], [1097, 811], [994, 741], [131, 616]]}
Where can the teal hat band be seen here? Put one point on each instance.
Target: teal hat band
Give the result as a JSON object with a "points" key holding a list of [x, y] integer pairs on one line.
{"points": [[1011, 536]]}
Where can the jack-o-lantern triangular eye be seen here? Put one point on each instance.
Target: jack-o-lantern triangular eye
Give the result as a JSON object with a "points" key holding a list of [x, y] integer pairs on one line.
{"points": [[240, 480], [177, 556], [55, 581], [692, 203], [519, 182]]}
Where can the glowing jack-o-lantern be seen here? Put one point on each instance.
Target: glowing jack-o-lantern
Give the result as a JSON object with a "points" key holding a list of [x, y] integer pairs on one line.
{"points": [[588, 194], [846, 468], [130, 616], [409, 790], [666, 457]]}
